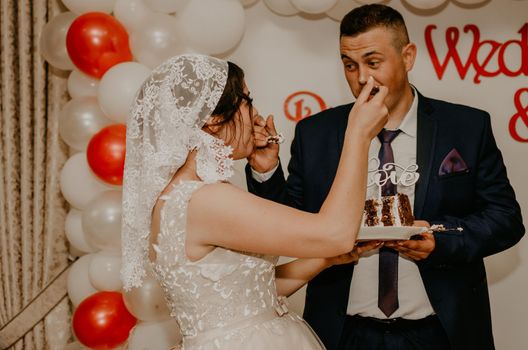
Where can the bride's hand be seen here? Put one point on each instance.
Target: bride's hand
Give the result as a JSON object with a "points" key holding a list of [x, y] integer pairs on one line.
{"points": [[369, 113], [354, 255], [265, 155]]}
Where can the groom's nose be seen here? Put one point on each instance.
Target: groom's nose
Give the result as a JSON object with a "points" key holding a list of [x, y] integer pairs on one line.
{"points": [[363, 75]]}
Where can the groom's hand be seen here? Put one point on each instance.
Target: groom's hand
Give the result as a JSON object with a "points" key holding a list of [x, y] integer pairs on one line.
{"points": [[265, 156], [417, 248]]}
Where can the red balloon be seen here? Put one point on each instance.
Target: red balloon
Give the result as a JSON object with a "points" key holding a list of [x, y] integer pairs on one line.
{"points": [[106, 153], [102, 321], [97, 41]]}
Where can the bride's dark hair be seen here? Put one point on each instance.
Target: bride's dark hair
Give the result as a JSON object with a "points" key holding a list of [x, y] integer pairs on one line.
{"points": [[233, 96]]}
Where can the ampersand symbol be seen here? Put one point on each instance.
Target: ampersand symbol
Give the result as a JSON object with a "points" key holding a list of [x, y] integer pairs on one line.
{"points": [[522, 114]]}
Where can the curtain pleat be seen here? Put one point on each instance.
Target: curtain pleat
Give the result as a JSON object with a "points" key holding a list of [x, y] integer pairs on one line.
{"points": [[33, 246]]}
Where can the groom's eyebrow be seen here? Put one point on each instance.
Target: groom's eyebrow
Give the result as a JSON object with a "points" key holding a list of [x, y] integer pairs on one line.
{"points": [[370, 53], [345, 57], [365, 55]]}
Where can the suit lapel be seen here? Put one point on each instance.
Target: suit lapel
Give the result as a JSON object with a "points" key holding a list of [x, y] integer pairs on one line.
{"points": [[425, 145], [343, 121]]}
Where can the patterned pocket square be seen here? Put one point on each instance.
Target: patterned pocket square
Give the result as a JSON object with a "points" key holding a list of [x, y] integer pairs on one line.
{"points": [[452, 163]]}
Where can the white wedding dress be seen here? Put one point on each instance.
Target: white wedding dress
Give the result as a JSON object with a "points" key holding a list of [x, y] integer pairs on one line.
{"points": [[226, 300]]}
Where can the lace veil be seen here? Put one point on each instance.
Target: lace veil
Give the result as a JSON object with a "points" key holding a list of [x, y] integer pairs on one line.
{"points": [[165, 124]]}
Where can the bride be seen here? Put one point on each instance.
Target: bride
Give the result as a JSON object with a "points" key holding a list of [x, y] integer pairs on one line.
{"points": [[213, 247]]}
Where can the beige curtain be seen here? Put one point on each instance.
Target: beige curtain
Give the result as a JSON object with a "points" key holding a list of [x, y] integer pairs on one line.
{"points": [[33, 247]]}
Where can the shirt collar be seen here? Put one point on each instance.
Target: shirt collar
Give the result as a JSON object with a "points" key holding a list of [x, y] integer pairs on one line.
{"points": [[409, 123]]}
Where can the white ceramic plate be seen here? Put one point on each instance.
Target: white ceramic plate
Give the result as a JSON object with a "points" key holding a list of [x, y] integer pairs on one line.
{"points": [[388, 233]]}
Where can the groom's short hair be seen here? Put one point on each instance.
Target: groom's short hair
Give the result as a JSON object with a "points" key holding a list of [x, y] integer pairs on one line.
{"points": [[367, 17]]}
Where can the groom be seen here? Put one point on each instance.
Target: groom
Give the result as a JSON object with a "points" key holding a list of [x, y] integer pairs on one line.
{"points": [[437, 295]]}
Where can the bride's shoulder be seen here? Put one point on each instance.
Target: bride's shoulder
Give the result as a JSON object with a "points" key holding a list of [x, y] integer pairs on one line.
{"points": [[218, 189], [218, 195]]}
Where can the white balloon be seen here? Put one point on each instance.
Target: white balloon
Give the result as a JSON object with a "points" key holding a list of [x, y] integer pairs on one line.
{"points": [[79, 285], [165, 6], [282, 7], [147, 302], [157, 40], [105, 270], [131, 13], [79, 120], [425, 4], [313, 6], [247, 3], [212, 26], [341, 8], [80, 85], [366, 2], [75, 346], [53, 41], [83, 6], [75, 232], [101, 221], [155, 336], [118, 88], [471, 2], [77, 182]]}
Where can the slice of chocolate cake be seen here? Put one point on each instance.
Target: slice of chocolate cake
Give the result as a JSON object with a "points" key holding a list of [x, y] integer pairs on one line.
{"points": [[389, 211], [405, 210], [370, 215], [388, 217]]}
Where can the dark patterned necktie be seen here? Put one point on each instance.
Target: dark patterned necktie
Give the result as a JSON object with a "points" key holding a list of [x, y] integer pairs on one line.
{"points": [[388, 258]]}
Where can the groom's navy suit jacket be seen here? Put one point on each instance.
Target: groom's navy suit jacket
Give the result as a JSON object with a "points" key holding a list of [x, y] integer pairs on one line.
{"points": [[479, 199]]}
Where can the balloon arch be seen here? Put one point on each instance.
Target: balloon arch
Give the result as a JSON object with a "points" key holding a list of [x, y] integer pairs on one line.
{"points": [[110, 46]]}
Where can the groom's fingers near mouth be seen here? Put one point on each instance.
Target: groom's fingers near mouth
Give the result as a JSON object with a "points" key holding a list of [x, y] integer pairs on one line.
{"points": [[260, 137], [259, 121], [270, 124], [260, 130]]}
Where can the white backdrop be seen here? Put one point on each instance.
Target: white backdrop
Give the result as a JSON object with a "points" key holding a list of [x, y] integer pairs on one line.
{"points": [[284, 55]]}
